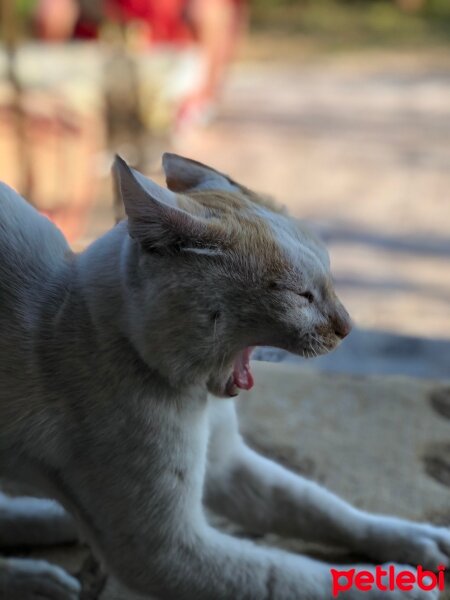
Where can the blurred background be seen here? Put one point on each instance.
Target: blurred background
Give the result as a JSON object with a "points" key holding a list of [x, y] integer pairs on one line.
{"points": [[338, 108]]}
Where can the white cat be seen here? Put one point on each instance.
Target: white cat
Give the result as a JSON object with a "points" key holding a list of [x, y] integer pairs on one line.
{"points": [[106, 360]]}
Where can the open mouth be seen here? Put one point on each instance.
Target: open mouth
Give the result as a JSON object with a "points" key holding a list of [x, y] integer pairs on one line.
{"points": [[241, 377]]}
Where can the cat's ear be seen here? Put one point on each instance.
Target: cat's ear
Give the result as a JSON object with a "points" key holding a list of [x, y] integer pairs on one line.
{"points": [[186, 175], [154, 219]]}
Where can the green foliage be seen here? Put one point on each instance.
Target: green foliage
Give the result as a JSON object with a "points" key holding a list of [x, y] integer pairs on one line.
{"points": [[25, 7], [438, 9], [357, 22]]}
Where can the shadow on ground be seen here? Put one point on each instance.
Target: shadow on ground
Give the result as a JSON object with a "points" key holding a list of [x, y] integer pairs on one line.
{"points": [[367, 352]]}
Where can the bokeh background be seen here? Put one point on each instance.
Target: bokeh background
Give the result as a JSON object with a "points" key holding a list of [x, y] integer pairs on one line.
{"points": [[340, 109]]}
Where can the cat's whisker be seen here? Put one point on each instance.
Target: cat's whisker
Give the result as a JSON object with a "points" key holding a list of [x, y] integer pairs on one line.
{"points": [[320, 345], [214, 333], [222, 362]]}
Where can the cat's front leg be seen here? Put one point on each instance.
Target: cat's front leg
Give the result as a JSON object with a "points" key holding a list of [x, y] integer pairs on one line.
{"points": [[223, 568], [27, 579], [26, 521], [265, 497]]}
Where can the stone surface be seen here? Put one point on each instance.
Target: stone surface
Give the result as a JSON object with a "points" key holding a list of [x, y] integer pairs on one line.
{"points": [[380, 442]]}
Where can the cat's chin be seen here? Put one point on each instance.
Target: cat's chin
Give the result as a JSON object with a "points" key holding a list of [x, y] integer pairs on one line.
{"points": [[241, 378]]}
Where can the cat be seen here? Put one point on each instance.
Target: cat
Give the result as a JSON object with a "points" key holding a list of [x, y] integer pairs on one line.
{"points": [[118, 372]]}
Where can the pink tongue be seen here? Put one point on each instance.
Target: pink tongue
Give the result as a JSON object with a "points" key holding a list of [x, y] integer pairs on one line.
{"points": [[242, 375]]}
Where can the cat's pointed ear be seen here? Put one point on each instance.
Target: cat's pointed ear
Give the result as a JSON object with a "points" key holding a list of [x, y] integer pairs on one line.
{"points": [[186, 175], [154, 219]]}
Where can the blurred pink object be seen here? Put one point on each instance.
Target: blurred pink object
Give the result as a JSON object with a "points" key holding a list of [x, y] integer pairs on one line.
{"points": [[55, 19], [217, 27]]}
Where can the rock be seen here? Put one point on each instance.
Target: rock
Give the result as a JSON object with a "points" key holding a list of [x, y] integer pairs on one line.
{"points": [[380, 442]]}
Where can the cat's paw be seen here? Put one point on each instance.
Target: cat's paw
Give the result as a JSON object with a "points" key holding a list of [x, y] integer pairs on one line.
{"points": [[26, 579], [407, 542]]}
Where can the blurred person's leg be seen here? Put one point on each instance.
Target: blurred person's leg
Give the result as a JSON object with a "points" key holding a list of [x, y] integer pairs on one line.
{"points": [[217, 26]]}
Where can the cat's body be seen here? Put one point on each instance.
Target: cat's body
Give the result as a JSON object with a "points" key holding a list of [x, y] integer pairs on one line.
{"points": [[106, 360]]}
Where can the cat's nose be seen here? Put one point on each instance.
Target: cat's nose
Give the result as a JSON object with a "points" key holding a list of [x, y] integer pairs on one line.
{"points": [[342, 325], [342, 328]]}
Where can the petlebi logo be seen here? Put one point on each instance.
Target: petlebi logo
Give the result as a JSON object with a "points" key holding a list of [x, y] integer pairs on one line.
{"points": [[386, 578]]}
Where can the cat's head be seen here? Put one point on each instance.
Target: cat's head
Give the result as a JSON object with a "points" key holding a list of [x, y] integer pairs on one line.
{"points": [[214, 270]]}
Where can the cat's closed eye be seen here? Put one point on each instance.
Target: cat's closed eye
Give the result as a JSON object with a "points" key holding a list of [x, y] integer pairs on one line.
{"points": [[277, 287]]}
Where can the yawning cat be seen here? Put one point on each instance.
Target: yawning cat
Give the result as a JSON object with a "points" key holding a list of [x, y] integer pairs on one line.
{"points": [[106, 360]]}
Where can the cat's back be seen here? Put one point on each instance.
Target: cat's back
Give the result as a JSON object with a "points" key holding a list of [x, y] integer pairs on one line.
{"points": [[31, 248], [32, 262]]}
